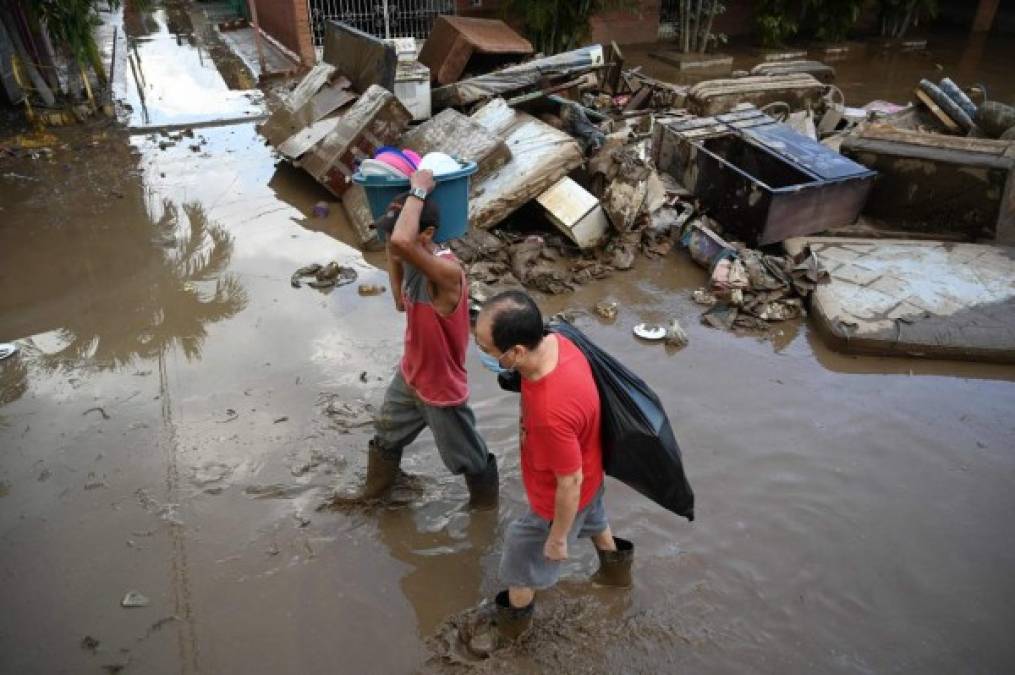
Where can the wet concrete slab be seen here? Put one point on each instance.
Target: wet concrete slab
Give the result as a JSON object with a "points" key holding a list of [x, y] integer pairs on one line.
{"points": [[916, 298]]}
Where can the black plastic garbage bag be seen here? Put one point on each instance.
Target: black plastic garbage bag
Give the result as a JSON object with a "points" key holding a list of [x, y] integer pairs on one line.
{"points": [[639, 448]]}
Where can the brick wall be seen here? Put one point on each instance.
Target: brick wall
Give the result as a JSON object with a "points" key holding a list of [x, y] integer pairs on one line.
{"points": [[288, 21]]}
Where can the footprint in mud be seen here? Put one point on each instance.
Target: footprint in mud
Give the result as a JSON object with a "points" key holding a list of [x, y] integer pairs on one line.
{"points": [[327, 463], [278, 490], [408, 489], [566, 635], [211, 477]]}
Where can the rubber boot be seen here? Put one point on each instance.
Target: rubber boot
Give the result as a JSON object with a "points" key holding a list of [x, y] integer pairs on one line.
{"points": [[512, 621], [496, 626], [382, 469], [615, 566], [484, 487]]}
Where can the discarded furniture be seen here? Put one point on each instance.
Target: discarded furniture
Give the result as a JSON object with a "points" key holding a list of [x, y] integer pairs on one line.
{"points": [[760, 179], [376, 119], [318, 95], [693, 60], [818, 70], [513, 78], [575, 212], [713, 97], [456, 134], [933, 183], [412, 88], [363, 58], [915, 298], [540, 156], [457, 42]]}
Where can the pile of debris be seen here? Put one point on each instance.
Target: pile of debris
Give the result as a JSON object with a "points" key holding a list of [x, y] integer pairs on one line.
{"points": [[583, 164]]}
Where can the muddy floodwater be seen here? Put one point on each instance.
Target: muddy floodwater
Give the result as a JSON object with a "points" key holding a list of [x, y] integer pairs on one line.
{"points": [[178, 411]]}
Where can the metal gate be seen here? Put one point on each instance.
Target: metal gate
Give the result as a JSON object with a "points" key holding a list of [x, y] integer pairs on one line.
{"points": [[383, 18]]}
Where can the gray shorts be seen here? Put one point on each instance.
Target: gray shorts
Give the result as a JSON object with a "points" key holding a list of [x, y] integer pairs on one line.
{"points": [[403, 416], [523, 562]]}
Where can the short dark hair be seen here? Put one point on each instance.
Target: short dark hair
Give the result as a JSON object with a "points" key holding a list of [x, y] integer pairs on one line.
{"points": [[430, 217], [515, 319]]}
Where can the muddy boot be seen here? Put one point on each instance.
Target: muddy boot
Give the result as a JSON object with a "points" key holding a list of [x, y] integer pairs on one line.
{"points": [[484, 487], [497, 626], [382, 468], [615, 566]]}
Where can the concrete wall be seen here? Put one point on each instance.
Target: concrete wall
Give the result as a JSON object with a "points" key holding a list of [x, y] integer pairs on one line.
{"points": [[288, 21]]}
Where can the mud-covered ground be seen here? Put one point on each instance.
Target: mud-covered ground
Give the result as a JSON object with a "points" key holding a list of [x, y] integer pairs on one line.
{"points": [[178, 411]]}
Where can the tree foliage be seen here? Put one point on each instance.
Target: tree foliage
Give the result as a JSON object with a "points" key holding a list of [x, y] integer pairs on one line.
{"points": [[556, 26]]}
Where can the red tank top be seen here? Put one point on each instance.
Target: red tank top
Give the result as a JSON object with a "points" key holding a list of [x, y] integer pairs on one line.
{"points": [[433, 364]]}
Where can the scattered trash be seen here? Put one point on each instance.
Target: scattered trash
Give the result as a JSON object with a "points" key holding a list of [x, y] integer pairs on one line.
{"points": [[675, 335], [650, 331], [607, 310], [98, 409], [575, 212], [371, 289], [321, 210], [325, 276], [134, 599], [995, 118], [280, 420], [7, 349]]}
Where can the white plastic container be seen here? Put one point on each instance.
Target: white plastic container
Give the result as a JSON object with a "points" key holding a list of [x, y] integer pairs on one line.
{"points": [[412, 88]]}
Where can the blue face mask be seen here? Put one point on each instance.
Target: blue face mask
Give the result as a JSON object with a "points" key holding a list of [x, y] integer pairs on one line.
{"points": [[491, 363]]}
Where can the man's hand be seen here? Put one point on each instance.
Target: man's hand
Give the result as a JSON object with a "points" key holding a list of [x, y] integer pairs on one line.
{"points": [[423, 179], [555, 548]]}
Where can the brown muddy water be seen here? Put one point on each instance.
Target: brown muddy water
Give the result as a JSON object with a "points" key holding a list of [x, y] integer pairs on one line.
{"points": [[868, 71], [166, 429]]}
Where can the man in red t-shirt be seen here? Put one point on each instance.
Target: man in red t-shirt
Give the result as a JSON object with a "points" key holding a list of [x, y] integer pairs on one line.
{"points": [[561, 460]]}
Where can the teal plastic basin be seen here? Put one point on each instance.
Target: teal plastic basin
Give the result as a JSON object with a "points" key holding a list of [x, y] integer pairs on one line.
{"points": [[451, 196]]}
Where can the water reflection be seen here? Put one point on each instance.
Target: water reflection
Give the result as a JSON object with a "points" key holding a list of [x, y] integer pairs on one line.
{"points": [[161, 296]]}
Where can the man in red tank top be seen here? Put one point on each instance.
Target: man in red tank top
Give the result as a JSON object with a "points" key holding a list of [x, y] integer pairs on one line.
{"points": [[561, 464], [430, 387]]}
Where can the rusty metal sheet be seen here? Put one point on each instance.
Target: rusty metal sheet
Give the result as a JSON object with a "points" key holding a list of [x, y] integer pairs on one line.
{"points": [[455, 39]]}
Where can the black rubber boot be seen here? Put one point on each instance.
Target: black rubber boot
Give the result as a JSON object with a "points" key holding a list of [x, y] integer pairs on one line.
{"points": [[382, 469], [512, 621], [496, 626], [484, 487], [615, 566]]}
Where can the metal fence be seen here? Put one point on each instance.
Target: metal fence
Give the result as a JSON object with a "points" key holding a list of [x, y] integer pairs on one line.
{"points": [[383, 18]]}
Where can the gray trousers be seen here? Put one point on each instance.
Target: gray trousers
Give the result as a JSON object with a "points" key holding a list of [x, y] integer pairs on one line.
{"points": [[523, 563], [403, 416]]}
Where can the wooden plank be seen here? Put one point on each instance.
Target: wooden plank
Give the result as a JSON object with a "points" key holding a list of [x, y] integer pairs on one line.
{"points": [[887, 132]]}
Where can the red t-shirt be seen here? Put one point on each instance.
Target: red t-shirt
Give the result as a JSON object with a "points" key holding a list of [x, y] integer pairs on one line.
{"points": [[561, 430]]}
